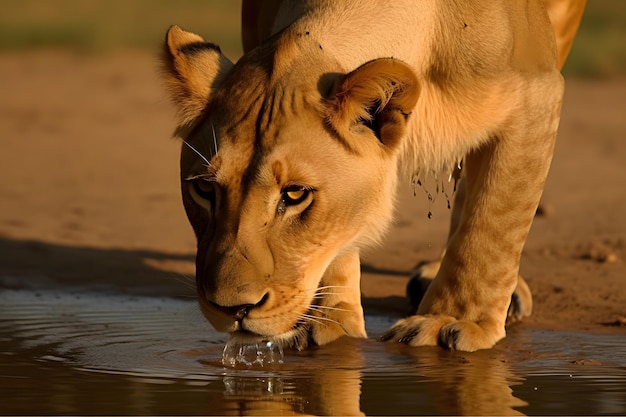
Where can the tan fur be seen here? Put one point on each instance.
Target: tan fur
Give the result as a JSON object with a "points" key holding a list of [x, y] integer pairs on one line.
{"points": [[192, 72], [328, 99], [565, 16]]}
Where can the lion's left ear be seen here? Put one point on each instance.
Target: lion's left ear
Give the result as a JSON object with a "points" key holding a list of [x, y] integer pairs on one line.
{"points": [[377, 97], [193, 68]]}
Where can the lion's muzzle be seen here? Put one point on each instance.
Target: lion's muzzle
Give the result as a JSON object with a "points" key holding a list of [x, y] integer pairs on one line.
{"points": [[227, 318]]}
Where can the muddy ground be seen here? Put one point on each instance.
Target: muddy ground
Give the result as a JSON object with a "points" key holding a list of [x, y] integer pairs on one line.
{"points": [[89, 194]]}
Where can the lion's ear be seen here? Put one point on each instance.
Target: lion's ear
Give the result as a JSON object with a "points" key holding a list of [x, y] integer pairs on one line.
{"points": [[193, 68], [377, 96]]}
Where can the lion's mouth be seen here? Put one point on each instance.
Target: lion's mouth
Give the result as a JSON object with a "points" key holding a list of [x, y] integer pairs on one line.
{"points": [[299, 337]]}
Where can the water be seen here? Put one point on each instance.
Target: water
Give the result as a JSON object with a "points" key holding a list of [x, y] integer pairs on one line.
{"points": [[249, 352], [82, 352]]}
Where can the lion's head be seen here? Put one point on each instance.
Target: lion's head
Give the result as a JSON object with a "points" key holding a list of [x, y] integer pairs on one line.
{"points": [[287, 170]]}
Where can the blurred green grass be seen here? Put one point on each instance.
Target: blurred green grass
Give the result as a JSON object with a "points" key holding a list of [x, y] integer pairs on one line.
{"points": [[600, 46], [95, 26]]}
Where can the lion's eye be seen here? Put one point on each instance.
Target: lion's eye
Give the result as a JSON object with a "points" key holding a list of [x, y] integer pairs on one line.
{"points": [[294, 195], [203, 191]]}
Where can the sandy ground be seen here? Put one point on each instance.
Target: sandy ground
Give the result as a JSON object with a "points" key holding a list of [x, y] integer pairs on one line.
{"points": [[89, 194]]}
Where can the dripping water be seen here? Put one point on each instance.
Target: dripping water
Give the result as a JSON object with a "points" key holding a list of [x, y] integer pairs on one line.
{"points": [[440, 186]]}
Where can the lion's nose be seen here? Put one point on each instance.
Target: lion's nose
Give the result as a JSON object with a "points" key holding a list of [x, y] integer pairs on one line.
{"points": [[239, 312], [236, 312]]}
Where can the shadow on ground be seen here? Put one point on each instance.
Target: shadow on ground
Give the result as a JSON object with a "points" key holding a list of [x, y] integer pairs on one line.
{"points": [[31, 264]]}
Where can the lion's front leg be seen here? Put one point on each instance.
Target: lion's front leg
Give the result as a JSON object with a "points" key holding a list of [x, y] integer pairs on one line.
{"points": [[521, 300], [336, 310], [521, 304], [465, 307]]}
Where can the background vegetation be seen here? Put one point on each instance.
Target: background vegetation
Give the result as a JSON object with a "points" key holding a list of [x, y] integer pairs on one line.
{"points": [[96, 26]]}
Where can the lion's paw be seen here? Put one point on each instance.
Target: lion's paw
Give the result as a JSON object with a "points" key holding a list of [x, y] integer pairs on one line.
{"points": [[444, 331], [521, 300]]}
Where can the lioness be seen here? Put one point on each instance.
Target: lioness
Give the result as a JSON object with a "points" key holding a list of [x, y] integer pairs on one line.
{"points": [[290, 157]]}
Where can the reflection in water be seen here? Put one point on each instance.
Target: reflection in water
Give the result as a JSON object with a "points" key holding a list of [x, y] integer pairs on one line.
{"points": [[87, 353], [323, 381], [468, 384]]}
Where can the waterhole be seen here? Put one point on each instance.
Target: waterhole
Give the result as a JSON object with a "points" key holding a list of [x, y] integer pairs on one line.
{"points": [[84, 352]]}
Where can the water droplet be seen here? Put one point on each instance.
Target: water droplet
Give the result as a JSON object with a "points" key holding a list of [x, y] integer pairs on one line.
{"points": [[419, 182], [249, 351], [430, 197], [430, 215], [448, 204]]}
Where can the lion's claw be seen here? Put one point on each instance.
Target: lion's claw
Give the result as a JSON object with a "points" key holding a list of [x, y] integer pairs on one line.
{"points": [[444, 331]]}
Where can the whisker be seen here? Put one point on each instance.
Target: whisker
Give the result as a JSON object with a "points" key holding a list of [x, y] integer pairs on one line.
{"points": [[187, 281], [208, 164], [302, 320], [214, 138], [325, 287], [331, 286], [324, 290], [315, 296], [320, 307], [307, 318], [312, 317]]}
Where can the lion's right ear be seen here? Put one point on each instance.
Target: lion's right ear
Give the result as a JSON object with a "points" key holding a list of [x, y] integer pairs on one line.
{"points": [[193, 68], [378, 96]]}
